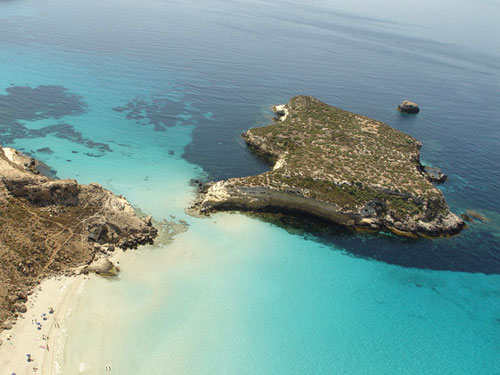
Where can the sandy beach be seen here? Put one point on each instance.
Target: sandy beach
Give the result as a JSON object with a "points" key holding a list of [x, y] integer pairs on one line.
{"points": [[40, 333], [45, 345]]}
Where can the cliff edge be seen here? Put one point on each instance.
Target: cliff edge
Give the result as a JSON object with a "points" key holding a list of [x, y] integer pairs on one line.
{"points": [[340, 166]]}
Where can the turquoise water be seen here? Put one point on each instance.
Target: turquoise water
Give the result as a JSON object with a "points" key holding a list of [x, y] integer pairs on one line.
{"points": [[275, 303], [142, 97]]}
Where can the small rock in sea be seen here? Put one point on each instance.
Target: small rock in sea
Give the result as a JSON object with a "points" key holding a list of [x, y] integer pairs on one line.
{"points": [[476, 215], [466, 218], [408, 107]]}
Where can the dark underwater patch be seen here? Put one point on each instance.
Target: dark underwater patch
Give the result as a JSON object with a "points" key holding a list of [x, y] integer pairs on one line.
{"points": [[42, 102], [471, 251], [161, 112], [24, 103], [66, 131], [93, 155], [45, 150]]}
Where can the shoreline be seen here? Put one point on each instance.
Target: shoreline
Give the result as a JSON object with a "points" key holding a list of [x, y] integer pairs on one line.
{"points": [[42, 344], [46, 346], [341, 167]]}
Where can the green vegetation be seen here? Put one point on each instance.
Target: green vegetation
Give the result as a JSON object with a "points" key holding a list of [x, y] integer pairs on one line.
{"points": [[343, 158]]}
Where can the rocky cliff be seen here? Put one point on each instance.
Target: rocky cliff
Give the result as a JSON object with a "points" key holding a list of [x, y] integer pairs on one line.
{"points": [[49, 227], [339, 166]]}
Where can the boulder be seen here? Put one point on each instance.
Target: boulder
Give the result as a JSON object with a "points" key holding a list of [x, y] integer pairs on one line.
{"points": [[22, 296], [408, 107], [104, 267], [101, 265], [20, 307]]}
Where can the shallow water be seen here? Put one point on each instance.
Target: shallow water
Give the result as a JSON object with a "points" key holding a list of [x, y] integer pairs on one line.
{"points": [[142, 97]]}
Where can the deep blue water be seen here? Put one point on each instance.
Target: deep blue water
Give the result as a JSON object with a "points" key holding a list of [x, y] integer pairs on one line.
{"points": [[144, 96]]}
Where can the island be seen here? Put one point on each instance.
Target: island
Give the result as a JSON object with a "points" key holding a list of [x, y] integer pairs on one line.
{"points": [[54, 227], [408, 107], [339, 166]]}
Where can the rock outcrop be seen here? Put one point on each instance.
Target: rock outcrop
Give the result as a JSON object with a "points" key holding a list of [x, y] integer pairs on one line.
{"points": [[44, 191], [339, 166], [408, 107], [102, 266], [434, 174], [52, 226]]}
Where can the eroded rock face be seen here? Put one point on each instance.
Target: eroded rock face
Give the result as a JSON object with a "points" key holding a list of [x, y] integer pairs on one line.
{"points": [[408, 107], [43, 191], [339, 166]]}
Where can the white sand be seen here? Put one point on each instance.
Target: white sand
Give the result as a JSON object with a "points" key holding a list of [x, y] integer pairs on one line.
{"points": [[46, 345], [24, 338]]}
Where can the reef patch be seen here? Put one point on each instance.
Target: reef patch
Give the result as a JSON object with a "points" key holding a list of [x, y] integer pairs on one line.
{"points": [[24, 104], [161, 112]]}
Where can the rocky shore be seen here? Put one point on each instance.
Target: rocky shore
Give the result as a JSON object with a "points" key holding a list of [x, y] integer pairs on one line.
{"points": [[339, 166], [52, 227]]}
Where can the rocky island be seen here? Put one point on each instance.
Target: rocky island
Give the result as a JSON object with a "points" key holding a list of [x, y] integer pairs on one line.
{"points": [[408, 107], [52, 227], [341, 167]]}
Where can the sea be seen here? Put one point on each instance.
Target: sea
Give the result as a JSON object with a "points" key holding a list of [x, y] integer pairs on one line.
{"points": [[143, 96]]}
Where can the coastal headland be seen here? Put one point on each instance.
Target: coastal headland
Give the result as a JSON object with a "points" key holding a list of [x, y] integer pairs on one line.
{"points": [[339, 166], [55, 227]]}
